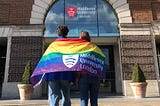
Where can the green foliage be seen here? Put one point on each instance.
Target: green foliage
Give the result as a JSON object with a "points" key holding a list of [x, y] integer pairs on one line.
{"points": [[137, 74], [27, 73]]}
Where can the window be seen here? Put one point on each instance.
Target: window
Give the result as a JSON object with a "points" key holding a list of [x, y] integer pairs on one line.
{"points": [[95, 16]]}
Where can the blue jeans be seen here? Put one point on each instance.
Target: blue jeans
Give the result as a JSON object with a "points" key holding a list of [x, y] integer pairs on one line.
{"points": [[58, 88], [89, 86]]}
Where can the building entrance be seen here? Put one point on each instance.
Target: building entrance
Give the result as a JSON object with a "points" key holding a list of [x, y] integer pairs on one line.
{"points": [[3, 48], [107, 85]]}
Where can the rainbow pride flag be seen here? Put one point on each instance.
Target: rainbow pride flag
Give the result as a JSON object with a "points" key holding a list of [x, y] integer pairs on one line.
{"points": [[70, 54]]}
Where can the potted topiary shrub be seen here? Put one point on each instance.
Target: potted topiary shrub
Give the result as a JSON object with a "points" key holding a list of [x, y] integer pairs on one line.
{"points": [[138, 83], [26, 88]]}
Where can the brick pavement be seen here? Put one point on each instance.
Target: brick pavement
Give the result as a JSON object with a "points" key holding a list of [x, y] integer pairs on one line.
{"points": [[108, 101]]}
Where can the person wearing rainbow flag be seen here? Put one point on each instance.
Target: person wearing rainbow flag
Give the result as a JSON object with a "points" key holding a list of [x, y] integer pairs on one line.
{"points": [[58, 82], [88, 84]]}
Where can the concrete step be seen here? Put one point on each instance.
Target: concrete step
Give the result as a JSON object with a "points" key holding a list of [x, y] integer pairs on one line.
{"points": [[110, 101]]}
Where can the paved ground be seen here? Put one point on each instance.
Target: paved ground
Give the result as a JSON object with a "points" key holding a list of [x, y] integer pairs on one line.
{"points": [[108, 101]]}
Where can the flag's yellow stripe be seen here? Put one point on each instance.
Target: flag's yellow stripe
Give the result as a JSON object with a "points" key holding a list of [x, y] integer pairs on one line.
{"points": [[71, 47]]}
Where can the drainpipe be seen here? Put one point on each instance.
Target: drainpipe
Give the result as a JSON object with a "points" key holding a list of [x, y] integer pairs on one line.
{"points": [[120, 66], [155, 55]]}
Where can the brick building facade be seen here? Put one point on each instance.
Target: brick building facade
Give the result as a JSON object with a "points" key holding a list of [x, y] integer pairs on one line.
{"points": [[21, 39]]}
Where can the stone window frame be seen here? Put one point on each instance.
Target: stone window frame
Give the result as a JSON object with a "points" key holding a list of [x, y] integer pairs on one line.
{"points": [[40, 8]]}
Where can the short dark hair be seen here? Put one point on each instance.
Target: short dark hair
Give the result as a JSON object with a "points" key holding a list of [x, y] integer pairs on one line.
{"points": [[62, 30]]}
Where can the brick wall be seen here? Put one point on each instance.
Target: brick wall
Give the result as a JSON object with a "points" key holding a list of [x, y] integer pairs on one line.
{"points": [[156, 10], [137, 49], [141, 10], [19, 11], [15, 11], [22, 50], [144, 11]]}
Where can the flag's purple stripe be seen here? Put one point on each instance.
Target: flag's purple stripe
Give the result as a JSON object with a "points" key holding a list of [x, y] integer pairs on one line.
{"points": [[62, 67], [35, 79], [37, 74], [53, 68]]}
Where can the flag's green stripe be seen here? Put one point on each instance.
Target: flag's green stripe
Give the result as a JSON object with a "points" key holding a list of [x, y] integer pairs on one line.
{"points": [[51, 55]]}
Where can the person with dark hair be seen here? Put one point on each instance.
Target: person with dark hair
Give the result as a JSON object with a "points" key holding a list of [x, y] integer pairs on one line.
{"points": [[62, 31], [88, 84], [58, 82]]}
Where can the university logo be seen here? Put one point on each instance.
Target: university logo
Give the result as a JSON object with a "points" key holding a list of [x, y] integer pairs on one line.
{"points": [[71, 11], [70, 60]]}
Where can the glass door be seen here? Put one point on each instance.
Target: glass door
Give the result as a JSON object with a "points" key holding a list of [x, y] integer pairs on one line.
{"points": [[3, 48], [108, 84]]}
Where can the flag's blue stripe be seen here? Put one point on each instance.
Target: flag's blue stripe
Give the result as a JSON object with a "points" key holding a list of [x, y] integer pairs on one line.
{"points": [[50, 61]]}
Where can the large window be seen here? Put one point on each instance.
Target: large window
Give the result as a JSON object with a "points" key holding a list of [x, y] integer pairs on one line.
{"points": [[95, 16]]}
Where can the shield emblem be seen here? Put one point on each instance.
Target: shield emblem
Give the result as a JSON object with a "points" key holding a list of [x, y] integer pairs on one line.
{"points": [[70, 60], [71, 11]]}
